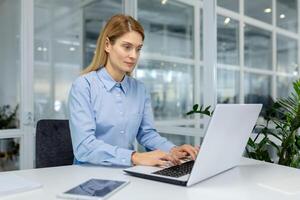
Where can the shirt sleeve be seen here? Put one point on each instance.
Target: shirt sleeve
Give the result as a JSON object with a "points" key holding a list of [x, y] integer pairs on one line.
{"points": [[86, 147], [147, 135]]}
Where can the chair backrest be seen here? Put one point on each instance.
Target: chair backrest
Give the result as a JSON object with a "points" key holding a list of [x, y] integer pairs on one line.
{"points": [[53, 143]]}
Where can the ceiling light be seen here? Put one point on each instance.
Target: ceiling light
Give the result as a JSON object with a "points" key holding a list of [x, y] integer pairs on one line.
{"points": [[268, 10], [72, 49], [295, 73], [40, 48], [227, 20], [164, 2], [282, 16]]}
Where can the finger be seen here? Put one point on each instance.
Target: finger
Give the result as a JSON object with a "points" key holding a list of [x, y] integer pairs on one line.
{"points": [[161, 163], [171, 158], [194, 149], [176, 159], [180, 154], [191, 152]]}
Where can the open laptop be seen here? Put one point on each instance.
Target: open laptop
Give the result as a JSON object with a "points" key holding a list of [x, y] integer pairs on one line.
{"points": [[222, 148]]}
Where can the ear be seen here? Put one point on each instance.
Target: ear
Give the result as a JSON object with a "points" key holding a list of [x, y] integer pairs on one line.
{"points": [[107, 45]]}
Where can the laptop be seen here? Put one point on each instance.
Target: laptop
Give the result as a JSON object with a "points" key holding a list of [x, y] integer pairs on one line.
{"points": [[223, 145]]}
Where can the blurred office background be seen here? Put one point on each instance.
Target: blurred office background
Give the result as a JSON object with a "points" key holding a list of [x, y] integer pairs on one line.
{"points": [[45, 44]]}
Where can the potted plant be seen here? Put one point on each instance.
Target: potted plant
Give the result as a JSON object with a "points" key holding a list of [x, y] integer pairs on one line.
{"points": [[278, 139], [8, 117]]}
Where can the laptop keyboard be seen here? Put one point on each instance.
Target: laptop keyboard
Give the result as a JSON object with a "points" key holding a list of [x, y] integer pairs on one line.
{"points": [[177, 170]]}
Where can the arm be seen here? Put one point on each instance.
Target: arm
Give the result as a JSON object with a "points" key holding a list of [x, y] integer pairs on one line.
{"points": [[86, 147], [150, 138], [147, 136]]}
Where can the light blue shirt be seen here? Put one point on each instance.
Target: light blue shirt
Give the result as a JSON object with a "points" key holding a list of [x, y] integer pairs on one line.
{"points": [[107, 116]]}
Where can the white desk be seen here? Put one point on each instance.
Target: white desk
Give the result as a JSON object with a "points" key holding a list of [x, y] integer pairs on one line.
{"points": [[251, 180]]}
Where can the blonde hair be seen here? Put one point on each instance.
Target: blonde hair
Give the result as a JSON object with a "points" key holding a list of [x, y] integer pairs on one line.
{"points": [[116, 26]]}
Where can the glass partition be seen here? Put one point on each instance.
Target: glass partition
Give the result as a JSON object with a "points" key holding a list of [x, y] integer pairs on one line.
{"points": [[287, 14], [169, 80], [227, 41], [9, 154], [284, 86], [169, 27], [170, 85], [287, 54], [259, 9], [229, 4], [257, 48], [10, 78], [258, 89], [228, 82], [65, 39]]}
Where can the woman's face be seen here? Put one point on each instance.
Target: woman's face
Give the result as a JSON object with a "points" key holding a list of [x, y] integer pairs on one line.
{"points": [[124, 53]]}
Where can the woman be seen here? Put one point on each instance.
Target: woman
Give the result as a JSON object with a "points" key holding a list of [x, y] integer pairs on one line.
{"points": [[109, 109]]}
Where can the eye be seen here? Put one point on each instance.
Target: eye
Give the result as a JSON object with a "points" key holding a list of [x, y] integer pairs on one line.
{"points": [[127, 47]]}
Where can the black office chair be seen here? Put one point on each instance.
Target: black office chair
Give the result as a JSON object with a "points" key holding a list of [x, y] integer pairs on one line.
{"points": [[53, 143]]}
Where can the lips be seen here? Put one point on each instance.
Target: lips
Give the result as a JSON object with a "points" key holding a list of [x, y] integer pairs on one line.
{"points": [[129, 63]]}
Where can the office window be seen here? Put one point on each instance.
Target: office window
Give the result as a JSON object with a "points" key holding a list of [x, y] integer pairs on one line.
{"points": [[257, 48], [229, 4], [170, 85], [228, 83], [287, 54], [9, 154], [259, 9], [10, 78], [287, 14], [168, 27], [227, 41], [65, 39], [258, 89], [166, 56], [95, 14], [284, 86]]}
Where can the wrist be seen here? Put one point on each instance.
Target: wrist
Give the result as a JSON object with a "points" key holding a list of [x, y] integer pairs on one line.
{"points": [[133, 158], [173, 149]]}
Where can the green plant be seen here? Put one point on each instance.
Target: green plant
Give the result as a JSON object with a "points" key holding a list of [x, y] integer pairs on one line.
{"points": [[278, 134], [8, 117]]}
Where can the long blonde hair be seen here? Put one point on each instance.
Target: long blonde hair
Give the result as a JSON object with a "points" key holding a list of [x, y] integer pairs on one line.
{"points": [[116, 26]]}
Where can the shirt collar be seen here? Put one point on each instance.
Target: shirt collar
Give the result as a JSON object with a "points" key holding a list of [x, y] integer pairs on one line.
{"points": [[109, 82]]}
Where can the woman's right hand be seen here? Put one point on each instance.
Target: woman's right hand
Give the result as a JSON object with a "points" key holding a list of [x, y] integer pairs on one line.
{"points": [[154, 158]]}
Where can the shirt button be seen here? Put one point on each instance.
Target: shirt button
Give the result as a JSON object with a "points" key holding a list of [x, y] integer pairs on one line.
{"points": [[122, 132], [118, 95], [121, 112]]}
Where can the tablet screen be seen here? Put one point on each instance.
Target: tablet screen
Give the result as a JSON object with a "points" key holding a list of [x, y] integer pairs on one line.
{"points": [[95, 187]]}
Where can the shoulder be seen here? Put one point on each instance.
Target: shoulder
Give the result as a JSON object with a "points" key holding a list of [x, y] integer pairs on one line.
{"points": [[85, 80], [136, 84]]}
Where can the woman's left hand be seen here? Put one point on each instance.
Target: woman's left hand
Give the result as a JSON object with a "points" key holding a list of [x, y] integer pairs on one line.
{"points": [[184, 151]]}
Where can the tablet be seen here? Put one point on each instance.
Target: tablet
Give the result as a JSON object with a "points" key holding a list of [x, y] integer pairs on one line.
{"points": [[94, 189]]}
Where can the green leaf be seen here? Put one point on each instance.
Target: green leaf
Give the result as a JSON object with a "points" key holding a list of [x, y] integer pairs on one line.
{"points": [[195, 107], [251, 143], [190, 112]]}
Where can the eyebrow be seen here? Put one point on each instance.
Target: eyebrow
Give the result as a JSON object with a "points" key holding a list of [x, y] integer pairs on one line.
{"points": [[140, 45]]}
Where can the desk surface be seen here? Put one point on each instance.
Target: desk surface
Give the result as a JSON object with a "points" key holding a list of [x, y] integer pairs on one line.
{"points": [[253, 180]]}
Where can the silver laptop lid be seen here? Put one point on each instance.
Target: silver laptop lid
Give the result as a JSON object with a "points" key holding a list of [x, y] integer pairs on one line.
{"points": [[225, 140]]}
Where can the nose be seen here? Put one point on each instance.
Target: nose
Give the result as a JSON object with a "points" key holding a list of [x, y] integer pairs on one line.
{"points": [[133, 54]]}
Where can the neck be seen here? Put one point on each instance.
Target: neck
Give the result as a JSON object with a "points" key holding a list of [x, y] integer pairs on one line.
{"points": [[115, 74]]}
